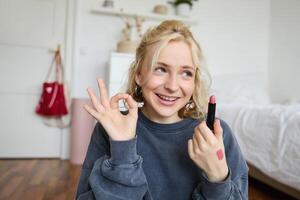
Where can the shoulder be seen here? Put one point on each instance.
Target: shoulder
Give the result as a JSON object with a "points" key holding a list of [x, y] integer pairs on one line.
{"points": [[228, 136], [226, 129], [234, 155], [229, 139]]}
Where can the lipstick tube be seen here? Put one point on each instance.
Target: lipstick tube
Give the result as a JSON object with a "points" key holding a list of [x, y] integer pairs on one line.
{"points": [[210, 118]]}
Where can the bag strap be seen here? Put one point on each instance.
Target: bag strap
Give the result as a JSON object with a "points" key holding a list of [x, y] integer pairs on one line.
{"points": [[59, 68], [57, 61]]}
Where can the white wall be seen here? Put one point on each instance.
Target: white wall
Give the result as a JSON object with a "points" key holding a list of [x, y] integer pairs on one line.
{"points": [[285, 51], [97, 37], [234, 36]]}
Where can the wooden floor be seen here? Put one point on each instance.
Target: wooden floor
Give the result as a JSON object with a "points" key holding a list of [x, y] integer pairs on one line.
{"points": [[56, 179]]}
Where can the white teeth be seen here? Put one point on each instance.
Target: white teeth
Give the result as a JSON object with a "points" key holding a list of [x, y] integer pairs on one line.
{"points": [[167, 98]]}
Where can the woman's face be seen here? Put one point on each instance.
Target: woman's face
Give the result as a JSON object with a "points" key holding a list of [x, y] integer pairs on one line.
{"points": [[169, 86]]}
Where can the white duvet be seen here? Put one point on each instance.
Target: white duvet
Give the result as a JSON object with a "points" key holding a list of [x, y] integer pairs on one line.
{"points": [[269, 137]]}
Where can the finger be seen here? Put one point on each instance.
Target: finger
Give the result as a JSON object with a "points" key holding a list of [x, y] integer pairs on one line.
{"points": [[92, 112], [200, 140], [197, 136], [132, 105], [191, 148], [218, 129], [206, 133], [95, 101], [196, 148], [103, 93], [114, 102]]}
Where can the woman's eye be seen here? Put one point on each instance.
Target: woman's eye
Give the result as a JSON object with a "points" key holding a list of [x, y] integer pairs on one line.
{"points": [[159, 70], [187, 74]]}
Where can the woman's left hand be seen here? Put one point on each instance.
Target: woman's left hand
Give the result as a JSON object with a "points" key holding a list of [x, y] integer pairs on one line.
{"points": [[206, 149]]}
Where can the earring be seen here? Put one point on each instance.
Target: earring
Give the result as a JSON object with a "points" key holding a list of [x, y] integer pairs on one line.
{"points": [[138, 93], [137, 90], [190, 105]]}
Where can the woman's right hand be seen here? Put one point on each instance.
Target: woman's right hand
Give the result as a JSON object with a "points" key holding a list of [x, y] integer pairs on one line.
{"points": [[119, 127]]}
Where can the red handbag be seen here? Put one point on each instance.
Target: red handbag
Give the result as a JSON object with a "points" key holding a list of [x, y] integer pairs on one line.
{"points": [[52, 102]]}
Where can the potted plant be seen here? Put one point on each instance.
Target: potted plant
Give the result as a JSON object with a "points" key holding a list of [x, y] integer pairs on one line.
{"points": [[183, 7]]}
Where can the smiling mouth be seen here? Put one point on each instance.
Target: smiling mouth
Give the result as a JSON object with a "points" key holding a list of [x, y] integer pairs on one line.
{"points": [[167, 98]]}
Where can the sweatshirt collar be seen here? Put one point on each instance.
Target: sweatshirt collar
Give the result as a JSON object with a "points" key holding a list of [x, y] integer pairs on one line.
{"points": [[166, 128]]}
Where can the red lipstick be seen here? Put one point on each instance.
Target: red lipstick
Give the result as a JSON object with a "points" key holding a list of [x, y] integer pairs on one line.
{"points": [[210, 118]]}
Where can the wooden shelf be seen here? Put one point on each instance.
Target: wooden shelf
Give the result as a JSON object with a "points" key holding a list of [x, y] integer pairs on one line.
{"points": [[151, 16]]}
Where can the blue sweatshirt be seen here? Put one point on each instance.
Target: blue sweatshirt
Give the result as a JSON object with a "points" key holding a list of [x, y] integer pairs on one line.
{"points": [[155, 165]]}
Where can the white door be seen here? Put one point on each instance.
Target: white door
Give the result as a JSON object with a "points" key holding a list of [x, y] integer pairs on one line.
{"points": [[28, 29]]}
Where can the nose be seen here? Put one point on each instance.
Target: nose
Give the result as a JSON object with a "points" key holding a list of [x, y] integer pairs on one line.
{"points": [[171, 83]]}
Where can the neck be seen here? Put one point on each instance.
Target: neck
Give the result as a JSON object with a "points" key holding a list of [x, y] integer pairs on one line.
{"points": [[155, 117]]}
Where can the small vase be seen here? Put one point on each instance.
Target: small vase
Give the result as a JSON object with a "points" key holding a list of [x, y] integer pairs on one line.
{"points": [[183, 9], [127, 46]]}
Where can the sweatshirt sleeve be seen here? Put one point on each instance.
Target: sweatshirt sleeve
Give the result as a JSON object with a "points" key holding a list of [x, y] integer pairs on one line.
{"points": [[112, 170], [235, 186]]}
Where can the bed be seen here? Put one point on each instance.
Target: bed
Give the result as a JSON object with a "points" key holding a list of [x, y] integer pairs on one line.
{"points": [[268, 134]]}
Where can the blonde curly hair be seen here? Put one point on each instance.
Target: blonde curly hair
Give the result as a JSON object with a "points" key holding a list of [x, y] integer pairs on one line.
{"points": [[160, 36]]}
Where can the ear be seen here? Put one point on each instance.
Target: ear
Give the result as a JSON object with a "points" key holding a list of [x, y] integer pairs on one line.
{"points": [[138, 78]]}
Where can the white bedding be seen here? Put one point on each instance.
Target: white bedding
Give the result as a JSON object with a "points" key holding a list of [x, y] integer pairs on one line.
{"points": [[269, 137]]}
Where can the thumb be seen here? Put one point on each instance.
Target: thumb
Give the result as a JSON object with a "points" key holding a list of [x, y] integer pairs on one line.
{"points": [[218, 131]]}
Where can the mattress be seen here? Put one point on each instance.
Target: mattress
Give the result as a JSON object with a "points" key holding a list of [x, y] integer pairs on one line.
{"points": [[269, 137]]}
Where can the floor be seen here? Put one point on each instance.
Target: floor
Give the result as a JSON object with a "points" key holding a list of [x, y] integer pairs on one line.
{"points": [[57, 179]]}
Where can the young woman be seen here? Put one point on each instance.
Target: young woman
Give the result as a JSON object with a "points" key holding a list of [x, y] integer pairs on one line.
{"points": [[163, 150]]}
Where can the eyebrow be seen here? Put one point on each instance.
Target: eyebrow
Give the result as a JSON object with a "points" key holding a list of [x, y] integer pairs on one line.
{"points": [[185, 66]]}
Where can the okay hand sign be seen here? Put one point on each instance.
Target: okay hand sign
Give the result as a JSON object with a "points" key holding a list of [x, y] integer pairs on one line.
{"points": [[119, 127]]}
